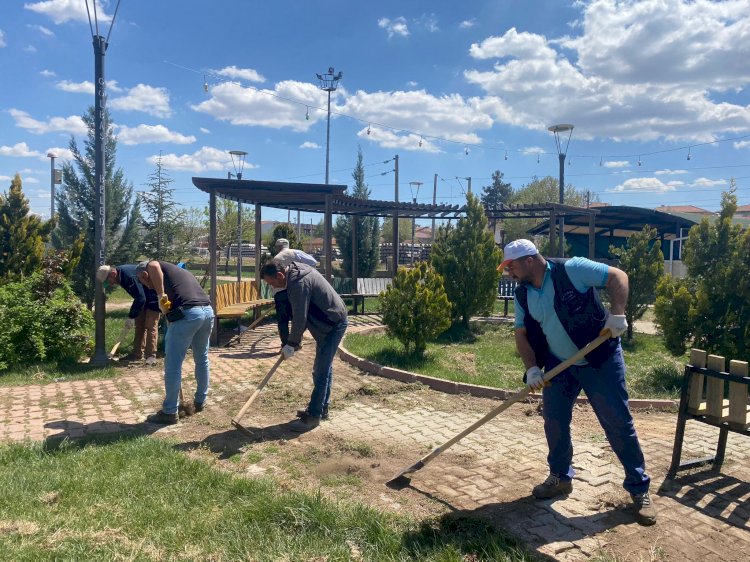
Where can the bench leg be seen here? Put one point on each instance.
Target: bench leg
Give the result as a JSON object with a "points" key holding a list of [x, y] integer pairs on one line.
{"points": [[505, 308], [721, 448], [680, 430]]}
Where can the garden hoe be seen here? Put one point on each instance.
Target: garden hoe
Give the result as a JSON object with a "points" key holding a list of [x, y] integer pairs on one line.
{"points": [[246, 407], [402, 481], [119, 341], [185, 409]]}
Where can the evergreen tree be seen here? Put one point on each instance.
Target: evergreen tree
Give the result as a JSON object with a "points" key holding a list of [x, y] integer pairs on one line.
{"points": [[368, 230], [467, 259], [283, 230], [22, 235], [75, 203], [643, 261], [496, 195], [190, 228], [404, 230], [162, 215]]}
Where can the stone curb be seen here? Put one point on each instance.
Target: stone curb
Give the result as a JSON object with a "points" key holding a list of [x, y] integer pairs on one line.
{"points": [[451, 387]]}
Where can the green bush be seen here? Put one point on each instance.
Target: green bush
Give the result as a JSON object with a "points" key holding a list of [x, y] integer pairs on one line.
{"points": [[416, 308], [42, 320], [673, 315]]}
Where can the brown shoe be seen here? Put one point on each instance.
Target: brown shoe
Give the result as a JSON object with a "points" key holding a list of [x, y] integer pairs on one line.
{"points": [[645, 512], [552, 487]]}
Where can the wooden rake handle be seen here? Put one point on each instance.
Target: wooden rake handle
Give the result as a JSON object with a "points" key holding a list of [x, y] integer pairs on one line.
{"points": [[580, 354], [262, 383]]}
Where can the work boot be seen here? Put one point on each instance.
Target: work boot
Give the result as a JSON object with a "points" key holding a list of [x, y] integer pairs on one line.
{"points": [[163, 418], [305, 423], [151, 360], [552, 487], [645, 512], [199, 406], [302, 413]]}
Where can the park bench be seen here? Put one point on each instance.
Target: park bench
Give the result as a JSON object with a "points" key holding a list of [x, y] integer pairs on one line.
{"points": [[233, 300], [712, 396], [506, 290], [366, 287]]}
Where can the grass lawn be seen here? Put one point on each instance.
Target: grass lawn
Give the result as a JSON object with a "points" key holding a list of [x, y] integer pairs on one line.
{"points": [[138, 498], [488, 357]]}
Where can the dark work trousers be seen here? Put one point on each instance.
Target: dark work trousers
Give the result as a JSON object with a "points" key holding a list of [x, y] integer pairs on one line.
{"points": [[283, 314], [605, 389]]}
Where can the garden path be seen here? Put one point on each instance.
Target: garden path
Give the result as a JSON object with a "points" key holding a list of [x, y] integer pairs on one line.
{"points": [[379, 427]]}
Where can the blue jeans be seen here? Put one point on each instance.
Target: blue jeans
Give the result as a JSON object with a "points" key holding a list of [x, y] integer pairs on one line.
{"points": [[605, 389], [194, 329], [322, 374]]}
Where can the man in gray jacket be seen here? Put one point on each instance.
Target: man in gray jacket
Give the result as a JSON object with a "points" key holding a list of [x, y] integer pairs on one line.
{"points": [[318, 308]]}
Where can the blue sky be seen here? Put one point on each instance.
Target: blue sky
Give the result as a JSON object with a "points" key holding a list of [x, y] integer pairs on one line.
{"points": [[478, 81]]}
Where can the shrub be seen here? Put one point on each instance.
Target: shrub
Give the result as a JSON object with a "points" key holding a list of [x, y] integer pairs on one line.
{"points": [[42, 320], [672, 311], [416, 308]]}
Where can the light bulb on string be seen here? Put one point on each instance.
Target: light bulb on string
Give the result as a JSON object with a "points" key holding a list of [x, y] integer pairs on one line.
{"points": [[537, 158], [205, 84], [420, 141], [307, 113], [466, 150], [368, 128], [601, 161], [688, 156], [639, 160], [506, 154]]}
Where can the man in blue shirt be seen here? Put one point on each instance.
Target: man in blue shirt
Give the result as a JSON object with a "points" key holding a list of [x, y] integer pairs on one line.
{"points": [[558, 312]]}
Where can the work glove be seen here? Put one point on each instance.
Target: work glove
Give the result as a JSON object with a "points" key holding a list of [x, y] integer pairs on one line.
{"points": [[535, 378], [615, 324], [164, 303], [287, 351], [129, 323]]}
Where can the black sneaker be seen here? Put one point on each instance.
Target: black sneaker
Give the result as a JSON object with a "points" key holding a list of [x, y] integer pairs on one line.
{"points": [[198, 406], [645, 512], [163, 418], [303, 413], [305, 423], [552, 487]]}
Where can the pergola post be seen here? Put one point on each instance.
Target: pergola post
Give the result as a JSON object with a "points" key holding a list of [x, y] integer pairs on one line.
{"points": [[258, 224], [552, 233], [212, 258], [328, 233], [355, 253], [592, 236]]}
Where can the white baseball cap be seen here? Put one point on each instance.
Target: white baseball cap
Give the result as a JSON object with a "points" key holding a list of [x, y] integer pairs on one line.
{"points": [[517, 249], [282, 242], [103, 272]]}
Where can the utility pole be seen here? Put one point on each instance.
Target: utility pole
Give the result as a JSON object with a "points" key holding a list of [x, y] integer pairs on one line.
{"points": [[469, 180]]}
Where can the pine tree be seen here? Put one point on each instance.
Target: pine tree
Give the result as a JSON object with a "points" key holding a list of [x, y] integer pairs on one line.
{"points": [[496, 195], [75, 203], [162, 215], [467, 258], [368, 230], [23, 236]]}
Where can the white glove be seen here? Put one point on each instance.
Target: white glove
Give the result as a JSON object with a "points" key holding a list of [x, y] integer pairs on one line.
{"points": [[287, 351], [535, 378], [129, 323], [616, 325]]}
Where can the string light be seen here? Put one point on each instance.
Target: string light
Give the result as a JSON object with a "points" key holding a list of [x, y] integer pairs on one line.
{"points": [[368, 128], [601, 161], [466, 150], [639, 160], [307, 113], [205, 84], [537, 157], [506, 154], [688, 153], [420, 141]]}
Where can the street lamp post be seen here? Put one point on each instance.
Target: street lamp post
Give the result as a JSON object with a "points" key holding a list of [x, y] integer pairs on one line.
{"points": [[556, 130], [52, 156], [328, 83], [238, 167]]}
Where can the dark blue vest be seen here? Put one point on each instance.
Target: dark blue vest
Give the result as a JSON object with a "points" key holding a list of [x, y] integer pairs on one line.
{"points": [[581, 314]]}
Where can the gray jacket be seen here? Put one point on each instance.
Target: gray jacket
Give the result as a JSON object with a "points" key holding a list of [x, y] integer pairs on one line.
{"points": [[315, 305]]}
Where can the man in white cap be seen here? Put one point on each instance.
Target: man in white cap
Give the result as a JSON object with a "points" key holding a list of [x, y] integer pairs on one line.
{"points": [[284, 257], [144, 312], [558, 311]]}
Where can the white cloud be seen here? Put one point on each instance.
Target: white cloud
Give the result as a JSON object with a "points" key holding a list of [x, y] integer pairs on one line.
{"points": [[6, 178], [204, 130], [250, 106], [28, 179], [84, 87], [47, 73], [412, 84], [205, 159], [143, 134], [643, 71], [242, 73], [705, 182], [668, 172], [30, 49], [41, 29], [61, 11], [59, 152], [308, 144], [2, 39], [20, 150], [615, 164], [742, 144], [646, 185], [396, 26], [387, 138], [148, 99], [451, 116], [73, 124], [467, 24], [429, 22], [532, 150]]}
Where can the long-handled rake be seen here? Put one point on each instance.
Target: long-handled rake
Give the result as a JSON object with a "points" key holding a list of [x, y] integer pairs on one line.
{"points": [[119, 341], [246, 407], [402, 481]]}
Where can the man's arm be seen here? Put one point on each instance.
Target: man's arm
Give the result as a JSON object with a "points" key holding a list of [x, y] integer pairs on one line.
{"points": [[528, 357], [299, 299], [617, 288], [139, 301], [156, 275]]}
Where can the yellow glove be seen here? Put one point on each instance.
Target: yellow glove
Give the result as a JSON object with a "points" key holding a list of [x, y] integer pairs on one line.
{"points": [[164, 304]]}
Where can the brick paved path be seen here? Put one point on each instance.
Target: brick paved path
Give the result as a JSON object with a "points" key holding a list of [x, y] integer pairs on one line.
{"points": [[702, 516]]}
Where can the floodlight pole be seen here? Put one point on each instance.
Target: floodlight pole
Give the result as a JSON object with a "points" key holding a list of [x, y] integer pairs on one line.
{"points": [[52, 156], [328, 83], [556, 130]]}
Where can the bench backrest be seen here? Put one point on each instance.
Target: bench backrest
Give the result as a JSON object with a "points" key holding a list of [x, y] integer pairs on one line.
{"points": [[506, 287], [233, 293], [372, 285], [708, 388]]}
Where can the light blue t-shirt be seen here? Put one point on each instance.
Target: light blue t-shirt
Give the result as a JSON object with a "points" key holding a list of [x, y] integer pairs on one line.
{"points": [[583, 273]]}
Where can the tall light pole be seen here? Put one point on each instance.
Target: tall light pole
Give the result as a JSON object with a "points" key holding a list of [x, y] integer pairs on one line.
{"points": [[239, 165], [328, 83], [414, 196], [52, 181], [556, 130]]}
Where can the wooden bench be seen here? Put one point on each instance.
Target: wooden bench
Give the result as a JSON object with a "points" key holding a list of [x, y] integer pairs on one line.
{"points": [[506, 291], [714, 397], [366, 287], [233, 300]]}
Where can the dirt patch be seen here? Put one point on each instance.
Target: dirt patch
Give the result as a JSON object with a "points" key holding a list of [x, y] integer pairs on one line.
{"points": [[22, 528]]}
